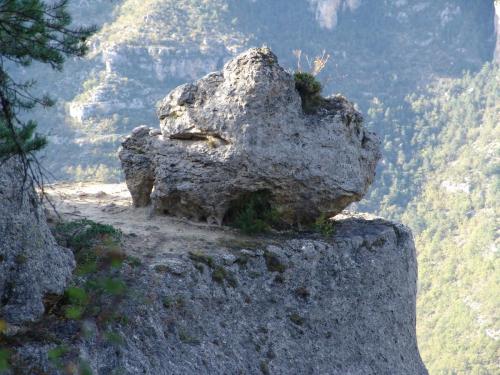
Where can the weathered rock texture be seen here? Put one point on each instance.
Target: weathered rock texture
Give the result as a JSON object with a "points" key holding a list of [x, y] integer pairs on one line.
{"points": [[342, 305], [31, 263], [243, 130]]}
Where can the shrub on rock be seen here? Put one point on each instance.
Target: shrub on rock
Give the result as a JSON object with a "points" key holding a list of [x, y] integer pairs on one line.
{"points": [[309, 89]]}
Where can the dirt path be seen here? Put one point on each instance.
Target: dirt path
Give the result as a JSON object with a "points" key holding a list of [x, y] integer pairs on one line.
{"points": [[146, 235]]}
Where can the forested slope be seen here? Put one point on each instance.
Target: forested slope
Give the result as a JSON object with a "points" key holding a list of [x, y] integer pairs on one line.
{"points": [[455, 220]]}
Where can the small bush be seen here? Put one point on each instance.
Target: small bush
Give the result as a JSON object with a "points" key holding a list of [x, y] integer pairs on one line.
{"points": [[55, 355], [324, 225], [96, 246], [220, 274], [187, 338], [99, 258], [84, 234], [309, 89], [114, 338], [264, 368], [199, 257]]}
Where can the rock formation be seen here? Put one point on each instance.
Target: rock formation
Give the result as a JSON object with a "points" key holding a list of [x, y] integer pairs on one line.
{"points": [[305, 305], [243, 130], [173, 297], [31, 262]]}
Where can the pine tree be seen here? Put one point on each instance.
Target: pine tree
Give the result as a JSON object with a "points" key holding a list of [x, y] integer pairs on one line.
{"points": [[31, 30]]}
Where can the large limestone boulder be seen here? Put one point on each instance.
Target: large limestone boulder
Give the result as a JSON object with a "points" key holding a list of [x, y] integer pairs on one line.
{"points": [[31, 262], [243, 130]]}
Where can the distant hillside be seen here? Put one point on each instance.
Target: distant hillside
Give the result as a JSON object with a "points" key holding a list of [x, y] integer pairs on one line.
{"points": [[454, 218]]}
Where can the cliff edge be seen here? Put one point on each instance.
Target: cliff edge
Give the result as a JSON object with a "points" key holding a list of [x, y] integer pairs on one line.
{"points": [[202, 299]]}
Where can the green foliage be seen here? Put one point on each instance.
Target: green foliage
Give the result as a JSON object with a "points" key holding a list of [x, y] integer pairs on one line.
{"points": [[454, 219], [97, 249], [187, 338], [324, 225], [114, 338], [200, 257], [252, 213], [4, 360], [26, 137], [167, 302], [84, 368], [109, 285], [439, 178], [309, 89], [78, 300], [55, 355], [31, 30], [87, 234], [220, 274]]}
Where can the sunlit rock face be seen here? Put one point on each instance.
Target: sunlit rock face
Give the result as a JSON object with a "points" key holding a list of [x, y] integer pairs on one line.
{"points": [[242, 130], [338, 305]]}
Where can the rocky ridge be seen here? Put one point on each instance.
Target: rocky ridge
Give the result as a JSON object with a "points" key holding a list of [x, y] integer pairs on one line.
{"points": [[206, 300]]}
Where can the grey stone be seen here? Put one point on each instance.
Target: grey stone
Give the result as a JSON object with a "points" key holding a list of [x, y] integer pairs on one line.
{"points": [[137, 166], [243, 130], [339, 307], [31, 263]]}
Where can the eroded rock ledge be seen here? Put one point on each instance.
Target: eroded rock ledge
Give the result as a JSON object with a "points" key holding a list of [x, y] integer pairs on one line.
{"points": [[304, 305], [243, 130]]}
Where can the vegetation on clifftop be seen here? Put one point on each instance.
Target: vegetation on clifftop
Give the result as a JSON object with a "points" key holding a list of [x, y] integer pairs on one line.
{"points": [[309, 89]]}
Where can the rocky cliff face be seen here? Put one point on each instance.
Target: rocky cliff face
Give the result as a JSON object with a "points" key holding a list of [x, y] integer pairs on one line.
{"points": [[301, 306], [204, 300], [31, 262], [242, 130]]}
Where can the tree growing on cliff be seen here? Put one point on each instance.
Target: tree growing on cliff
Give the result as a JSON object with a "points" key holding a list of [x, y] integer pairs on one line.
{"points": [[31, 31]]}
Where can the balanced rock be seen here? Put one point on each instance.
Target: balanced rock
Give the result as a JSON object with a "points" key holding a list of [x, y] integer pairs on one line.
{"points": [[242, 130]]}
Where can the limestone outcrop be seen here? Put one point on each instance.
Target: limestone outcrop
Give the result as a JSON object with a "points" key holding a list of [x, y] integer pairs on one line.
{"points": [[242, 130], [343, 304], [32, 264]]}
